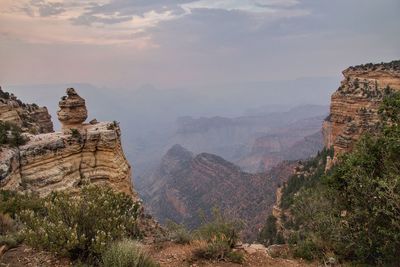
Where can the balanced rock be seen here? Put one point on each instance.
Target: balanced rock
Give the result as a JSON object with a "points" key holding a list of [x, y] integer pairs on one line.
{"points": [[72, 112]]}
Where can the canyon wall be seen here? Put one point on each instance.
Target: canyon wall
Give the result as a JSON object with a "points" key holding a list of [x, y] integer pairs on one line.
{"points": [[354, 106], [185, 184], [82, 153]]}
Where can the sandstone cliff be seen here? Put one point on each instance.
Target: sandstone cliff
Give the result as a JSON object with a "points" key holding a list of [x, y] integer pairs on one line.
{"points": [[29, 117], [354, 106], [81, 154]]}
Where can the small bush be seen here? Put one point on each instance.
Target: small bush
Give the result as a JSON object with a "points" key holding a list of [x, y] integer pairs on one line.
{"points": [[269, 234], [235, 257], [13, 203], [217, 249], [7, 224], [83, 226], [307, 250], [219, 228], [126, 253], [178, 233], [11, 241], [220, 236], [75, 134], [10, 134]]}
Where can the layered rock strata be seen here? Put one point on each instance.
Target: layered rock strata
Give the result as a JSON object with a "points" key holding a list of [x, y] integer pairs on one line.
{"points": [[69, 159], [354, 106], [29, 117], [185, 184], [72, 112]]}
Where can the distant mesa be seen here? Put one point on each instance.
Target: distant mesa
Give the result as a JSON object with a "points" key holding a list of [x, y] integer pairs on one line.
{"points": [[73, 112]]}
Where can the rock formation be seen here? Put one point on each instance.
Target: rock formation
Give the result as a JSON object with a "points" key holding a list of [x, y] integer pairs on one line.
{"points": [[354, 106], [72, 112], [185, 183], [29, 117], [69, 159]]}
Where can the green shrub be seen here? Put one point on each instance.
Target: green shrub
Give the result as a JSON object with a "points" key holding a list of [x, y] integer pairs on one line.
{"points": [[13, 203], [269, 233], [219, 228], [215, 249], [220, 236], [81, 226], [306, 249], [10, 134], [75, 133], [235, 257], [7, 224], [178, 233], [353, 211], [11, 240], [126, 253]]}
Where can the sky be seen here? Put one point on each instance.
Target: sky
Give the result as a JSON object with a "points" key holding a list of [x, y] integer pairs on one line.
{"points": [[172, 43]]}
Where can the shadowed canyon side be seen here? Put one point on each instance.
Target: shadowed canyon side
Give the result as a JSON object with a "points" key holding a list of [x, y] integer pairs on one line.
{"points": [[185, 184], [354, 106], [83, 153], [255, 142]]}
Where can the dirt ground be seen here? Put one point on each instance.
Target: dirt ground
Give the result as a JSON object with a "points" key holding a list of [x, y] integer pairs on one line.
{"points": [[24, 256], [175, 255], [167, 254]]}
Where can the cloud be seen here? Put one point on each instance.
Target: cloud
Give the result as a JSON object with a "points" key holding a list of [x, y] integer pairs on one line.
{"points": [[252, 6], [118, 21]]}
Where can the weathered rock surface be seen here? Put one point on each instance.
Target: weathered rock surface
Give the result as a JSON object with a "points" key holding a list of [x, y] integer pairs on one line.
{"points": [[29, 117], [354, 106], [57, 161], [67, 160], [72, 112]]}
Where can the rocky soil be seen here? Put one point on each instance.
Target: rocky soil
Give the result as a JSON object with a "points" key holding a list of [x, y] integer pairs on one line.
{"points": [[166, 254]]}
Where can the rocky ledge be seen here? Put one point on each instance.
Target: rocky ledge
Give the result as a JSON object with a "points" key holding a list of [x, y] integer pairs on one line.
{"points": [[354, 106], [69, 159], [29, 117]]}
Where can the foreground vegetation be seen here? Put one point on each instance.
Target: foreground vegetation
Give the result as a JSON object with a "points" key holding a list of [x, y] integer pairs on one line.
{"points": [[215, 238], [351, 213], [86, 227], [10, 134], [99, 227]]}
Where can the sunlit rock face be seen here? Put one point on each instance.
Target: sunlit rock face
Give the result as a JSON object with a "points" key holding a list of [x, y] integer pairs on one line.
{"points": [[354, 106], [29, 117], [72, 111], [67, 160]]}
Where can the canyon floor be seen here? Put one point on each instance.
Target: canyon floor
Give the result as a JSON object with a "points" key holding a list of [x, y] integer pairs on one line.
{"points": [[167, 254]]}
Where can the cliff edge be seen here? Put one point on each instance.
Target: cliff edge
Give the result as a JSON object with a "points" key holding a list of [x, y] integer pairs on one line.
{"points": [[29, 117], [354, 106], [82, 153]]}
